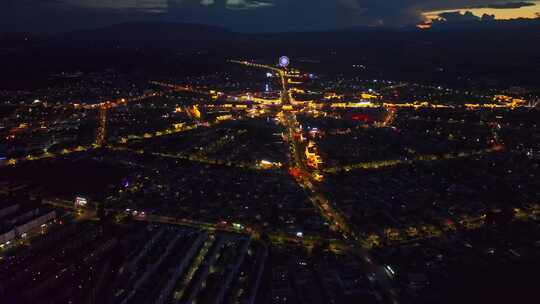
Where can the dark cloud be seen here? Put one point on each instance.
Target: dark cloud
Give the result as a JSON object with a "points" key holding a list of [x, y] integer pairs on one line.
{"points": [[507, 5], [239, 15], [467, 16], [459, 17]]}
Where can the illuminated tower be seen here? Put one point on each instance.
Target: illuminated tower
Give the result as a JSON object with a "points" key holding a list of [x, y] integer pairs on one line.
{"points": [[102, 125]]}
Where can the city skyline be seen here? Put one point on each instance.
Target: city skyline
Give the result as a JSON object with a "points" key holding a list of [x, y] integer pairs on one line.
{"points": [[156, 161]]}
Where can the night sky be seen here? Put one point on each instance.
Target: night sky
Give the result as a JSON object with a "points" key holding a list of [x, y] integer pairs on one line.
{"points": [[242, 15]]}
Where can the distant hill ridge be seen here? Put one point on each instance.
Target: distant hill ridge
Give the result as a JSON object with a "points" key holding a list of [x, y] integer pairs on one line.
{"points": [[154, 31], [180, 32]]}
